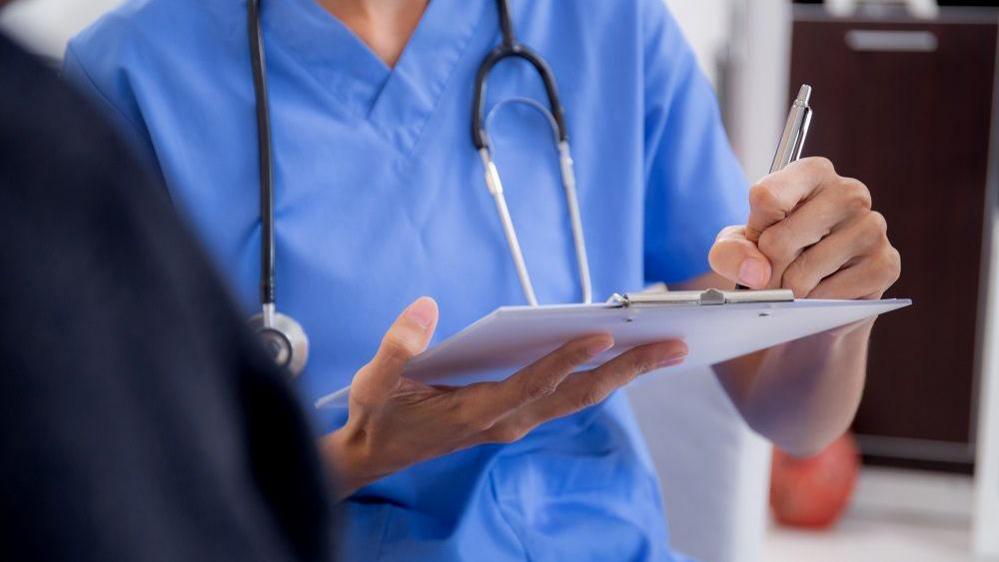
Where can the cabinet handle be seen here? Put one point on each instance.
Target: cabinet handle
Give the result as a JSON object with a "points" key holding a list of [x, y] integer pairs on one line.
{"points": [[867, 40]]}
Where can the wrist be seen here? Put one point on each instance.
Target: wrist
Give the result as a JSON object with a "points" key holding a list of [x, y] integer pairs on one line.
{"points": [[347, 462]]}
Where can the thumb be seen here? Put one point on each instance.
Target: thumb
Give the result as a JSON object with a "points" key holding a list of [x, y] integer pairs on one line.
{"points": [[734, 257], [408, 337]]}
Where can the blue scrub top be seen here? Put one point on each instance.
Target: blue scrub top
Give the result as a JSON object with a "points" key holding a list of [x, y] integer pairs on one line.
{"points": [[380, 199]]}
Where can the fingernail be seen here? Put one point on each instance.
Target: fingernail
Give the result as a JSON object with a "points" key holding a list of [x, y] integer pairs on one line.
{"points": [[422, 312], [753, 273], [672, 360], [599, 346]]}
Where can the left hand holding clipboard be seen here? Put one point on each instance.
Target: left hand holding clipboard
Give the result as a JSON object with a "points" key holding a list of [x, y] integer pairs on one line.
{"points": [[812, 231], [395, 422]]}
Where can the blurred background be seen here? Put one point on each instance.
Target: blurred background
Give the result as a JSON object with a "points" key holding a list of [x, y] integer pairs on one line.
{"points": [[904, 97]]}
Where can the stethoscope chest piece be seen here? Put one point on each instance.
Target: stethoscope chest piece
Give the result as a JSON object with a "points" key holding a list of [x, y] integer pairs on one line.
{"points": [[284, 340]]}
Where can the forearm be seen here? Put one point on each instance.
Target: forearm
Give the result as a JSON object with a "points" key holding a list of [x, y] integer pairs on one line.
{"points": [[813, 232], [802, 394]]}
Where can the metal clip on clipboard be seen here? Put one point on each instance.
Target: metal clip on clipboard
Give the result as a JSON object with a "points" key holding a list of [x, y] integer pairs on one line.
{"points": [[710, 297]]}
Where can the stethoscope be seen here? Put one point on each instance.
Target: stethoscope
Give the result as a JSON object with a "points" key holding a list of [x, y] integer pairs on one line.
{"points": [[283, 337]]}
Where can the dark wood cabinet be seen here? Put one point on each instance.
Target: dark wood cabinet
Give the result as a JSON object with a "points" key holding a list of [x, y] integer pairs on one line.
{"points": [[907, 106]]}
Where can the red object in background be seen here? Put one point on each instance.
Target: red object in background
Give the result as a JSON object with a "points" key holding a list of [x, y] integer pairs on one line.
{"points": [[813, 492]]}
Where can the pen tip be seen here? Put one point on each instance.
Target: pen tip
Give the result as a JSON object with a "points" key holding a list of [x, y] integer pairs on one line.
{"points": [[804, 93]]}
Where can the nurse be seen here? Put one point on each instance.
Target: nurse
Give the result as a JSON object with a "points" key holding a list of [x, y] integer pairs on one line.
{"points": [[379, 198]]}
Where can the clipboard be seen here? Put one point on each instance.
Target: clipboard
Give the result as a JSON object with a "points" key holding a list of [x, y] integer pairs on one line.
{"points": [[716, 325]]}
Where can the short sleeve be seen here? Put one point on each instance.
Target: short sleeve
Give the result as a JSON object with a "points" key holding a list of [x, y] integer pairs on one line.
{"points": [[694, 183], [109, 91]]}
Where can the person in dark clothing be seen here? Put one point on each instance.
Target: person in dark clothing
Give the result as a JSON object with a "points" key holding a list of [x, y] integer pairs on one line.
{"points": [[138, 420]]}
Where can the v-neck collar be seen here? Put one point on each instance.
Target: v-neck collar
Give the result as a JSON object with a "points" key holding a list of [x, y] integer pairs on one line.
{"points": [[396, 101]]}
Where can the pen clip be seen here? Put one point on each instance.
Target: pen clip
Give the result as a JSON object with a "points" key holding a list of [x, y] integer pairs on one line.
{"points": [[792, 139], [800, 141]]}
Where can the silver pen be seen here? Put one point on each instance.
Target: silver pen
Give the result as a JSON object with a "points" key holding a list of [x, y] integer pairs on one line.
{"points": [[792, 140]]}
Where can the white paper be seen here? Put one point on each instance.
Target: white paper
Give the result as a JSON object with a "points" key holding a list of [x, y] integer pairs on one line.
{"points": [[512, 337]]}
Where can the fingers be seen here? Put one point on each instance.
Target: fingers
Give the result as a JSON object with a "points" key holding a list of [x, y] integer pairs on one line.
{"points": [[849, 244], [818, 233], [739, 260], [408, 336], [868, 279], [586, 389], [490, 402], [811, 222], [777, 195]]}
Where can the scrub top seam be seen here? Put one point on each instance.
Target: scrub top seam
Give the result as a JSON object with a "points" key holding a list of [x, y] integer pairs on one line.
{"points": [[446, 85], [382, 539], [503, 517], [342, 102], [146, 153], [103, 96]]}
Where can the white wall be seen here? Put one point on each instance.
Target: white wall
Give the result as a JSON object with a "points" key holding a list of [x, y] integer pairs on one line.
{"points": [[753, 38], [986, 532], [761, 61], [46, 25], [706, 24]]}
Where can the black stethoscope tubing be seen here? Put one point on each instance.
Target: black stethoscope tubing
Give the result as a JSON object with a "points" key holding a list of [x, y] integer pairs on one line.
{"points": [[258, 58]]}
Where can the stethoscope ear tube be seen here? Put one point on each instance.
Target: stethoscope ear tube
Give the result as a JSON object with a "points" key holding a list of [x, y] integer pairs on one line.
{"points": [[568, 175], [575, 219], [495, 186], [511, 48]]}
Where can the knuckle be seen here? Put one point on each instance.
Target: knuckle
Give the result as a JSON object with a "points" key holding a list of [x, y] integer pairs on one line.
{"points": [[648, 362], [466, 420], [579, 356], [396, 347], [877, 224], [540, 387], [506, 434], [856, 193], [775, 245], [763, 196], [889, 264], [639, 361], [821, 165], [591, 397], [361, 398], [799, 280], [563, 360]]}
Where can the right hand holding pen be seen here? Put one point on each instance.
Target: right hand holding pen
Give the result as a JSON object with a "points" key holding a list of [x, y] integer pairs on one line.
{"points": [[395, 422]]}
